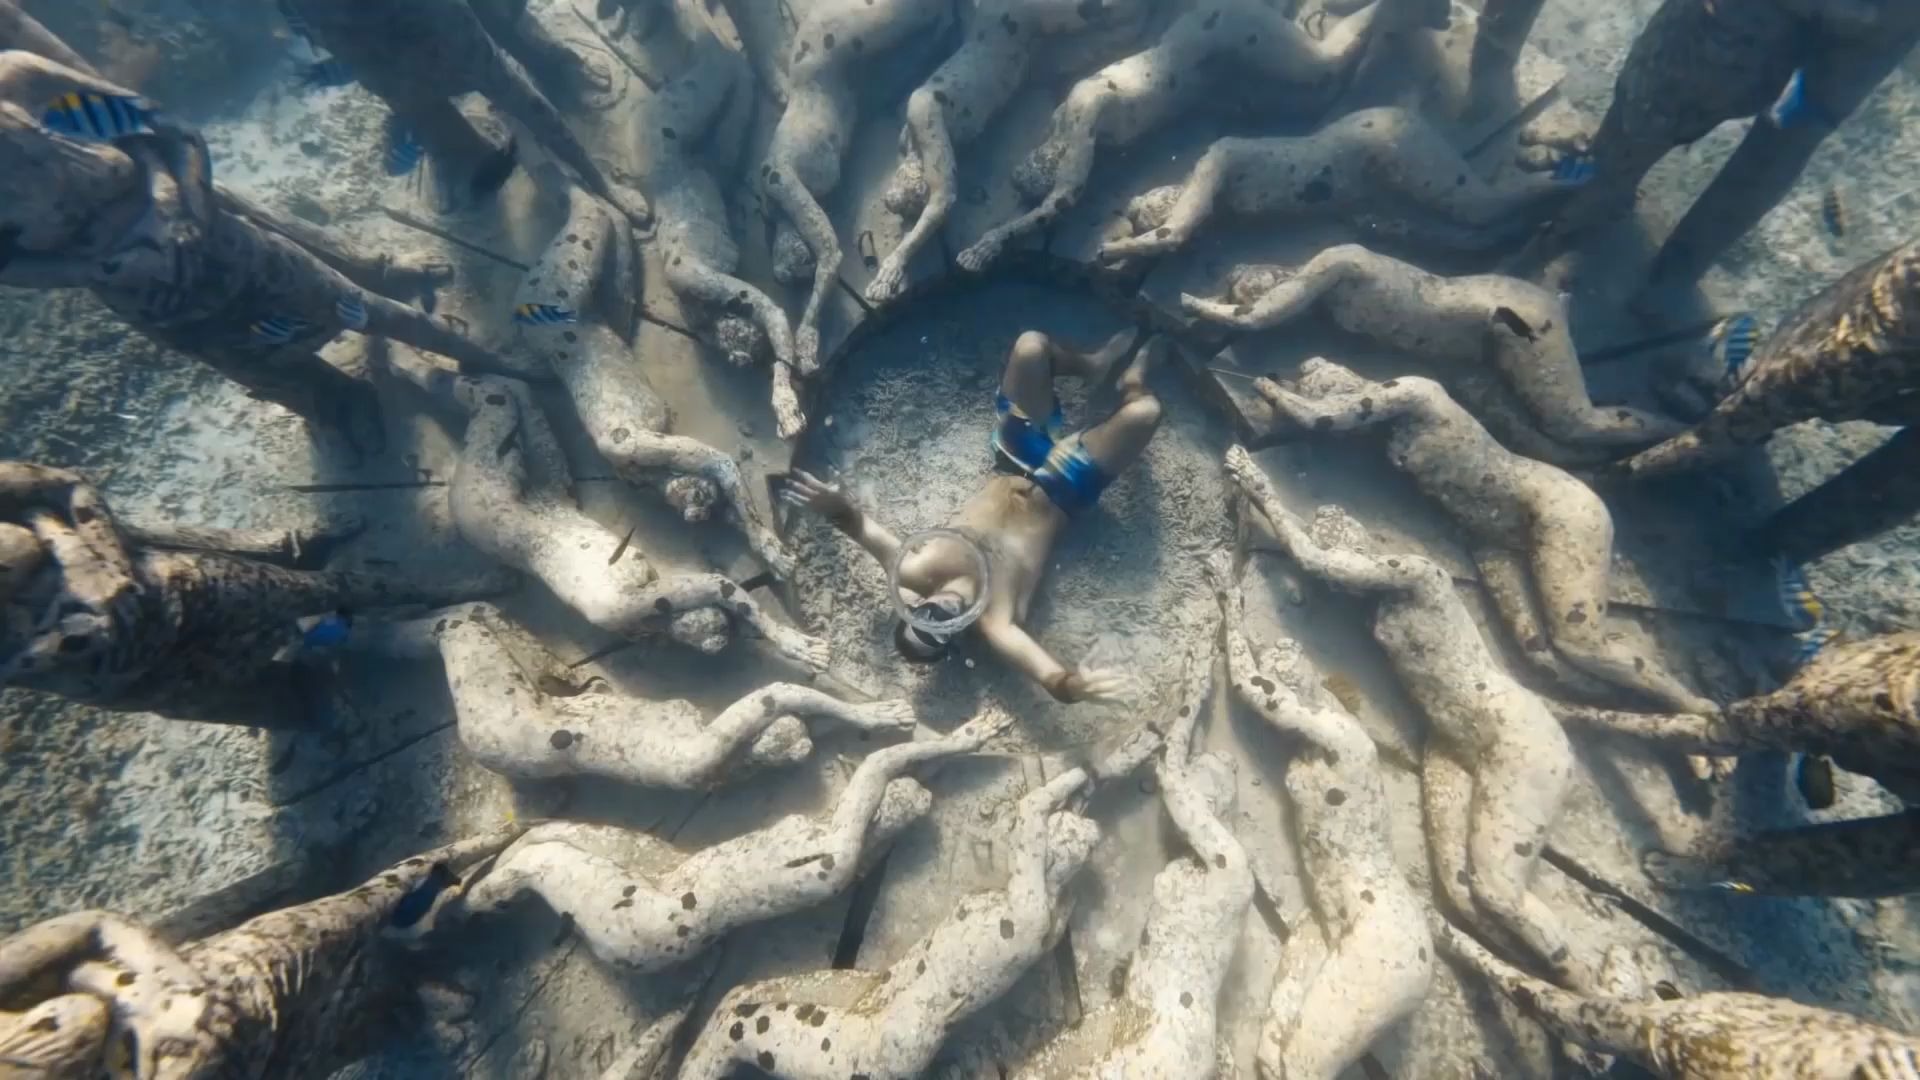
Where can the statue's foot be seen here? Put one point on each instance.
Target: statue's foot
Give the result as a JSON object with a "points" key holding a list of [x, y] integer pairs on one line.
{"points": [[984, 253], [881, 716], [789, 420], [888, 282], [982, 729], [633, 204]]}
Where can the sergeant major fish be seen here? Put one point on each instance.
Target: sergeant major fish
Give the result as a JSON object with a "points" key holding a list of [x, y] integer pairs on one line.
{"points": [[100, 117], [542, 315]]}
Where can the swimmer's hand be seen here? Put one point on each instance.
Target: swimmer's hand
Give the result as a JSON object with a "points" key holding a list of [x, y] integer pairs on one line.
{"points": [[1099, 685], [812, 494]]}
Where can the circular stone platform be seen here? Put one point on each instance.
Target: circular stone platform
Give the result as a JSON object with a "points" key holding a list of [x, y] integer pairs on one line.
{"points": [[905, 419]]}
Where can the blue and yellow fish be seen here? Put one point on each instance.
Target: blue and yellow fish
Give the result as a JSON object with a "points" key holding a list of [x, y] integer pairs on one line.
{"points": [[352, 309], [278, 329], [543, 315], [1732, 341], [1797, 600], [102, 117], [403, 149], [1804, 609], [1573, 169]]}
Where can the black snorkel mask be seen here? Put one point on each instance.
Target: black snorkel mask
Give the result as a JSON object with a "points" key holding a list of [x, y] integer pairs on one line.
{"points": [[930, 642]]}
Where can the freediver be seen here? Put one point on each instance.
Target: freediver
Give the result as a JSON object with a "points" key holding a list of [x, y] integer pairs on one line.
{"points": [[1041, 478]]}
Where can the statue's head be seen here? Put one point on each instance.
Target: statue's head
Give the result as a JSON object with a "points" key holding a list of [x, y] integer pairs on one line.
{"points": [[1336, 530], [793, 260], [1320, 376], [1149, 211]]}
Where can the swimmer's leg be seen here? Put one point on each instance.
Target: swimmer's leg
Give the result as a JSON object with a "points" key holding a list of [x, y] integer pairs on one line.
{"points": [[1117, 442], [1037, 359]]}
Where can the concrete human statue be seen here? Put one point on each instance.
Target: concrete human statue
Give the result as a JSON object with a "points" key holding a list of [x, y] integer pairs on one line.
{"points": [[512, 497], [294, 994], [1184, 69], [417, 57], [1042, 477], [688, 136], [1497, 765], [1351, 168], [130, 211], [1517, 328], [190, 623], [1695, 66], [957, 103], [577, 311], [1531, 526], [523, 714], [841, 1022], [1366, 962], [1710, 1036], [644, 905], [834, 43], [1165, 1023]]}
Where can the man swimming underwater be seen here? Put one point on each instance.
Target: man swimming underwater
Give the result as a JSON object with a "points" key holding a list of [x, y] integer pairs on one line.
{"points": [[1041, 478]]}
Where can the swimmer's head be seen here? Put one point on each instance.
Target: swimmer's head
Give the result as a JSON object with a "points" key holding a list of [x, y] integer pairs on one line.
{"points": [[1070, 842], [926, 637]]}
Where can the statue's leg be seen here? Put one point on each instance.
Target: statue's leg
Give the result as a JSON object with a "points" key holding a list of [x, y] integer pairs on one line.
{"points": [[1770, 160], [1870, 496]]}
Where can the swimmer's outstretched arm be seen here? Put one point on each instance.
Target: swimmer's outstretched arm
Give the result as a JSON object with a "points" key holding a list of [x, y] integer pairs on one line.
{"points": [[1018, 648], [810, 493]]}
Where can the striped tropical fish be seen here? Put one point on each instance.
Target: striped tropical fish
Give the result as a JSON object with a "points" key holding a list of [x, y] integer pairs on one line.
{"points": [[99, 117], [543, 315]]}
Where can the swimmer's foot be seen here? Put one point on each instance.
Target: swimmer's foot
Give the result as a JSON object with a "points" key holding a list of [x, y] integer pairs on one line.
{"points": [[1133, 381], [1102, 361]]}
